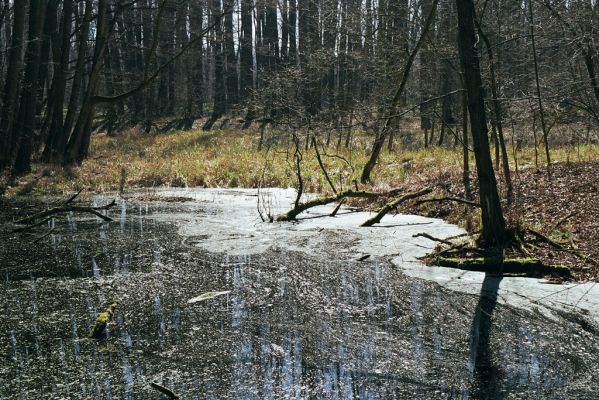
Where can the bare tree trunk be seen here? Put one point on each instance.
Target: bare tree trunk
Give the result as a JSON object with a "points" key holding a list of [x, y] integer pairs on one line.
{"points": [[26, 120], [11, 87], [53, 150], [77, 81], [78, 144], [465, 149], [493, 223], [538, 86], [498, 124]]}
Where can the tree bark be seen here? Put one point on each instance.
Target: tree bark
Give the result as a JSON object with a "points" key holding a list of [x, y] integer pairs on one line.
{"points": [[26, 120], [493, 223], [11, 87], [54, 147]]}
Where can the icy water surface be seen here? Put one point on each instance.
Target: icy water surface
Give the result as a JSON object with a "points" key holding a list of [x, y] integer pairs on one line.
{"points": [[301, 319]]}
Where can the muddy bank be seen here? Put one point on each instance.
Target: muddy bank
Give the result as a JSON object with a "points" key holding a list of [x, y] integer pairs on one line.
{"points": [[303, 319]]}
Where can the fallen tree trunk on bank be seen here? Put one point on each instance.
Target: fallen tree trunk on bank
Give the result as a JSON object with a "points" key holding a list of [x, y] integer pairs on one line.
{"points": [[322, 201], [519, 266], [393, 205]]}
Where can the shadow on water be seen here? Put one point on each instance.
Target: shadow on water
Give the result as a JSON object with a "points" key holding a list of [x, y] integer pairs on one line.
{"points": [[487, 375]]}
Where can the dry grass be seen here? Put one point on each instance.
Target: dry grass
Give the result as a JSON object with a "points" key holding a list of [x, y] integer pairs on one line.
{"points": [[230, 158]]}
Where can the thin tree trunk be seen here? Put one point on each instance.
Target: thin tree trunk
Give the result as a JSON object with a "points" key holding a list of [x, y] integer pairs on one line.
{"points": [[77, 80], [538, 86], [498, 123], [389, 123]]}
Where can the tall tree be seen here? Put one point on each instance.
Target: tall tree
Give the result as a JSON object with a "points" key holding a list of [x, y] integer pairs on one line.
{"points": [[55, 141], [220, 97], [25, 125], [11, 86], [493, 222]]}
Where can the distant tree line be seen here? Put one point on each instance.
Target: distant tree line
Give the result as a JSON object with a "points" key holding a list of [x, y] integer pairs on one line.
{"points": [[69, 67]]}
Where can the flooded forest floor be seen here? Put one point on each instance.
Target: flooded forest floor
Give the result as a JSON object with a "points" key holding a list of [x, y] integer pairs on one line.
{"points": [[213, 303]]}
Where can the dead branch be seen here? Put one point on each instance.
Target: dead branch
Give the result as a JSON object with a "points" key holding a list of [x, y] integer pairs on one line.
{"points": [[542, 238], [434, 239], [164, 390], [564, 219], [393, 205], [321, 164], [336, 210], [322, 201], [67, 208], [73, 197], [441, 199]]}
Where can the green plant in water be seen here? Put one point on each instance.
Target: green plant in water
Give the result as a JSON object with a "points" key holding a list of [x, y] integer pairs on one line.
{"points": [[99, 329]]}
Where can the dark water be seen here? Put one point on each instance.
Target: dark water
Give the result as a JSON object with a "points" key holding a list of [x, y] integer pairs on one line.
{"points": [[292, 326]]}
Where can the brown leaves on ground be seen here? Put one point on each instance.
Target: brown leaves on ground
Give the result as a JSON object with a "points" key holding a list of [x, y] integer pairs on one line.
{"points": [[564, 208]]}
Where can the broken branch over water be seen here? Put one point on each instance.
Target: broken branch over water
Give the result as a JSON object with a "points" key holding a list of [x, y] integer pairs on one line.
{"points": [[322, 201], [394, 204], [68, 208]]}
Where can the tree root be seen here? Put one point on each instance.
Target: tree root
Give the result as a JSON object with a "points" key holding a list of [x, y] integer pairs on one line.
{"points": [[520, 266], [434, 239]]}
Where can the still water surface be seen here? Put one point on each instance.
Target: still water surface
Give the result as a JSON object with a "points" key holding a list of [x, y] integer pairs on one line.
{"points": [[295, 324]]}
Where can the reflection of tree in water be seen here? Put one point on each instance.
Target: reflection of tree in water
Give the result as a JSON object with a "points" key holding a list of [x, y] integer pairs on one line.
{"points": [[487, 376]]}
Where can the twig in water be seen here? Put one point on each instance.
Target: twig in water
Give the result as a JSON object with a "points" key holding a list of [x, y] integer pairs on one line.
{"points": [[51, 231], [164, 390]]}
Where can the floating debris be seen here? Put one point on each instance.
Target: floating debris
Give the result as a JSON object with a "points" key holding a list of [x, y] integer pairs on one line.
{"points": [[164, 390], [99, 329], [207, 296]]}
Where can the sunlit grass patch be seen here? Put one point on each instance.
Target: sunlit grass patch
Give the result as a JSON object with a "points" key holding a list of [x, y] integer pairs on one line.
{"points": [[231, 158]]}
